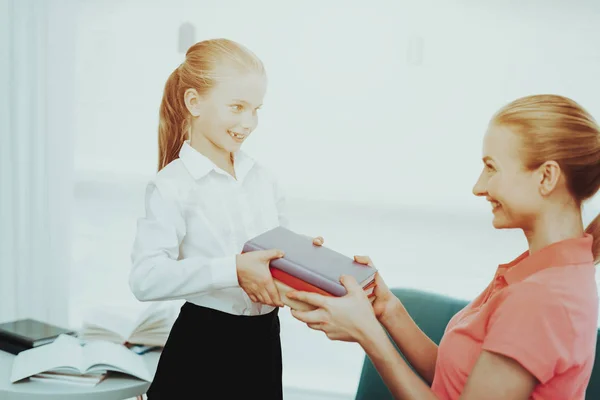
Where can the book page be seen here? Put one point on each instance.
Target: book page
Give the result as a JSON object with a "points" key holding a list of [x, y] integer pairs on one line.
{"points": [[64, 352], [101, 321], [82, 380], [104, 355], [151, 316], [155, 323]]}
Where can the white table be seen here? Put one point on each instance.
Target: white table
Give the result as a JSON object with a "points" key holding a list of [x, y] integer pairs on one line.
{"points": [[114, 387]]}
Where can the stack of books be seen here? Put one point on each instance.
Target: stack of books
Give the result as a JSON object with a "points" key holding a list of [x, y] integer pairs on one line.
{"points": [[308, 267], [25, 334], [69, 360], [53, 354], [64, 376], [30, 336]]}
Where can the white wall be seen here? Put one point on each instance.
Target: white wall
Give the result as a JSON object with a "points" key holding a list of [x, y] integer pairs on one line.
{"points": [[346, 116]]}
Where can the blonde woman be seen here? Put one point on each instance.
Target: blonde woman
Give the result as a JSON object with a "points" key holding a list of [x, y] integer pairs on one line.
{"points": [[531, 334]]}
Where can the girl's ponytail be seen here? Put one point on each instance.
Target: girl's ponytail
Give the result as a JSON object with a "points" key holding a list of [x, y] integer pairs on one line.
{"points": [[173, 121]]}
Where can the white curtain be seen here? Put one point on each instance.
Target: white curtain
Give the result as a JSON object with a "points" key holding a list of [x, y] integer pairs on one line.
{"points": [[36, 75]]}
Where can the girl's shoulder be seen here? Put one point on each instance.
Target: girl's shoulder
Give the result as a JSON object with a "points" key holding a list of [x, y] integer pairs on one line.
{"points": [[257, 168], [263, 170], [172, 179]]}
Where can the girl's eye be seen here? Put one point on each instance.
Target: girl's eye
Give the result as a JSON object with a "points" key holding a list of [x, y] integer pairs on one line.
{"points": [[237, 108]]}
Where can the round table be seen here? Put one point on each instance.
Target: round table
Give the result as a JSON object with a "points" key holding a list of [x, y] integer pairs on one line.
{"points": [[114, 387]]}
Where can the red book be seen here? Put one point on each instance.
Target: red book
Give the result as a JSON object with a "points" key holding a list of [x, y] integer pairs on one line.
{"points": [[283, 289], [295, 283], [299, 284]]}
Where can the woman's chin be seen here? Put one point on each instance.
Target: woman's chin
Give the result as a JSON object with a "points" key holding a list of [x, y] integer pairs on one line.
{"points": [[499, 222], [502, 223]]}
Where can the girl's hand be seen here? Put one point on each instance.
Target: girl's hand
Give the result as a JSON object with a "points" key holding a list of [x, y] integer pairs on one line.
{"points": [[255, 277], [349, 318], [317, 241]]}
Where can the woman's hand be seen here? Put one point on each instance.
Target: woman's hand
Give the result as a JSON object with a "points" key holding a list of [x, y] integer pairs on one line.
{"points": [[349, 318], [385, 303]]}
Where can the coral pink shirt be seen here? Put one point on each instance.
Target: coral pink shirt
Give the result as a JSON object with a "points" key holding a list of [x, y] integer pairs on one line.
{"points": [[541, 310]]}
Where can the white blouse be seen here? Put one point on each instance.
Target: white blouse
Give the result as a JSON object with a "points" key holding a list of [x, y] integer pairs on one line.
{"points": [[198, 218]]}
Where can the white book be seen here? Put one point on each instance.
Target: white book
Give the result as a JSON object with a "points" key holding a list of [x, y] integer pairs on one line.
{"points": [[69, 378], [68, 354], [63, 381], [150, 326]]}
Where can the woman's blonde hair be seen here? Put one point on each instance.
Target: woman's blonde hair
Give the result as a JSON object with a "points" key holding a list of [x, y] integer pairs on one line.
{"points": [[557, 128], [199, 71]]}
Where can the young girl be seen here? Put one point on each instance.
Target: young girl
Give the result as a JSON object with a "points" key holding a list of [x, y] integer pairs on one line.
{"points": [[531, 334], [207, 199]]}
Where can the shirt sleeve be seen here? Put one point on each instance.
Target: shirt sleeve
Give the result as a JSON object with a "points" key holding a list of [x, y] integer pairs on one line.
{"points": [[531, 326], [156, 272], [281, 204]]}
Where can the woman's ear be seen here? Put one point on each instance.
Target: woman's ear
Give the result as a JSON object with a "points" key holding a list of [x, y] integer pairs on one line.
{"points": [[550, 174], [192, 102]]}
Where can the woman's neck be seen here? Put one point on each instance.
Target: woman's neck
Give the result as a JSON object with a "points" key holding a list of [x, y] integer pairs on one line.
{"points": [[553, 227]]}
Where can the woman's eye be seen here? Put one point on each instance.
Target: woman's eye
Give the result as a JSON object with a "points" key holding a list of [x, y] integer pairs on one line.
{"points": [[237, 107]]}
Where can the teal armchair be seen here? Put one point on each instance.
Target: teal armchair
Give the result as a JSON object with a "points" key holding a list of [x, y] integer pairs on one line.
{"points": [[431, 312]]}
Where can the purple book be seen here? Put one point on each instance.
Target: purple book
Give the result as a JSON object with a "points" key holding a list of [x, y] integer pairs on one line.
{"points": [[317, 265]]}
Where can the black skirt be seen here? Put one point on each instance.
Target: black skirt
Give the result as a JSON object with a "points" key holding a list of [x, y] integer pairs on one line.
{"points": [[215, 355]]}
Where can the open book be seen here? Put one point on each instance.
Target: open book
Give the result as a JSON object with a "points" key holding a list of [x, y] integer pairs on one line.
{"points": [[150, 326], [67, 355]]}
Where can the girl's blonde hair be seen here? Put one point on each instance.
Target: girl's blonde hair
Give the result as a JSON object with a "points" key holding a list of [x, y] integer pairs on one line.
{"points": [[199, 71], [557, 128]]}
